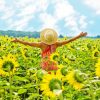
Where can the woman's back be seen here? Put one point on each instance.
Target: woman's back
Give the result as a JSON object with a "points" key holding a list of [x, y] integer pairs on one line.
{"points": [[47, 50]]}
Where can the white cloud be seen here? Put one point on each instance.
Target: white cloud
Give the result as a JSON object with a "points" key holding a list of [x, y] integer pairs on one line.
{"points": [[5, 10], [41, 5], [48, 21], [73, 20], [22, 3], [82, 22], [63, 9], [72, 24], [2, 5], [93, 4], [18, 14], [7, 13], [29, 10], [20, 24], [30, 6]]}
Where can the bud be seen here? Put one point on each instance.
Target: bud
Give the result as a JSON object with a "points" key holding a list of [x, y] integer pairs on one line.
{"points": [[55, 84], [64, 71], [80, 77], [39, 74]]}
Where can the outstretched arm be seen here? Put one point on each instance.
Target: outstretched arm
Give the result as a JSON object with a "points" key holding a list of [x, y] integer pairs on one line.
{"points": [[72, 39], [34, 44]]}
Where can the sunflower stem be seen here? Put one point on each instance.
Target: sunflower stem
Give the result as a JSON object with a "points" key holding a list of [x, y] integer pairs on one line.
{"points": [[37, 85], [10, 81], [61, 96], [92, 92]]}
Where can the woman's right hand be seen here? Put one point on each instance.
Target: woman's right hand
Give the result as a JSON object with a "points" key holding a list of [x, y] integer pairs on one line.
{"points": [[15, 40]]}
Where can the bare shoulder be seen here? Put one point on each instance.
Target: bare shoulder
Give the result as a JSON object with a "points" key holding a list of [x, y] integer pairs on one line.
{"points": [[58, 43], [43, 46]]}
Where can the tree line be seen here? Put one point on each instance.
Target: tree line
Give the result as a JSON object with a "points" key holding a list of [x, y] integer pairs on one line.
{"points": [[34, 34]]}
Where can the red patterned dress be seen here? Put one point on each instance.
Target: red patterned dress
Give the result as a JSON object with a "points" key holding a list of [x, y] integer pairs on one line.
{"points": [[46, 63]]}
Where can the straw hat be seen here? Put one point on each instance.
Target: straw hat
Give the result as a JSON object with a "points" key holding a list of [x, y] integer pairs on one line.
{"points": [[48, 36]]}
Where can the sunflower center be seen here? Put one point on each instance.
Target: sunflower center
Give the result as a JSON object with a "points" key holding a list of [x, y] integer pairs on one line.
{"points": [[55, 57], [8, 66], [71, 57], [80, 77], [55, 84], [96, 54], [65, 56], [89, 46]]}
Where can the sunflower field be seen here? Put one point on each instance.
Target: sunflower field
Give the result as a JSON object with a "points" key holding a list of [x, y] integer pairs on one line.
{"points": [[77, 77]]}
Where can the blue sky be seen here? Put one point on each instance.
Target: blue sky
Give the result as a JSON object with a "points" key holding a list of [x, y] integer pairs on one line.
{"points": [[67, 17]]}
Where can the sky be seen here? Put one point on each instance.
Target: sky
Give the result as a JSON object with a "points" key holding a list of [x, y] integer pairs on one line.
{"points": [[66, 17]]}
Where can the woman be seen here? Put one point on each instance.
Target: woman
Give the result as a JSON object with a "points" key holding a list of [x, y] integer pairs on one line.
{"points": [[49, 45]]}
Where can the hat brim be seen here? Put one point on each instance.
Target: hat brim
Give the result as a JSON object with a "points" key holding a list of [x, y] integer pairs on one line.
{"points": [[42, 34]]}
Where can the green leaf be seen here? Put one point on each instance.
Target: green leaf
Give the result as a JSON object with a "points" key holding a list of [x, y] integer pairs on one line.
{"points": [[29, 85], [34, 95], [17, 78], [21, 91]]}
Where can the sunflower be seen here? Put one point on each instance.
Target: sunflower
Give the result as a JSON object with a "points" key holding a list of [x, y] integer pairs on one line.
{"points": [[93, 46], [51, 85], [89, 45], [58, 72], [70, 47], [84, 48], [54, 56], [40, 73], [8, 65], [97, 70], [65, 59], [75, 79], [95, 54], [62, 71]]}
